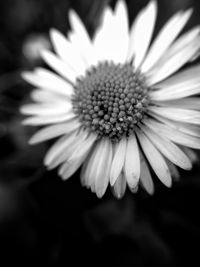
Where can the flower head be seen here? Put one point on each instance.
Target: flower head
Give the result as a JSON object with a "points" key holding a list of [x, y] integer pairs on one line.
{"points": [[119, 102]]}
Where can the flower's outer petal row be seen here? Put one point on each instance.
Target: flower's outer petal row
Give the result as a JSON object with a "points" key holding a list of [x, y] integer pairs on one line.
{"points": [[173, 134], [107, 44], [165, 38], [44, 120], [167, 67], [47, 97], [63, 147], [173, 170], [141, 33], [53, 131], [132, 162], [59, 66], [155, 159], [77, 157], [66, 51], [185, 103], [119, 187], [57, 108], [96, 172], [48, 81], [168, 149], [145, 176], [118, 160], [177, 114], [79, 35]]}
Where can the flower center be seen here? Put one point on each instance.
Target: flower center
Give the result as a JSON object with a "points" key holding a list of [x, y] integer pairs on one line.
{"points": [[111, 99]]}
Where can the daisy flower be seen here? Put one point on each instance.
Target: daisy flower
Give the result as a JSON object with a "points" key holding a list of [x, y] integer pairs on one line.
{"points": [[121, 105]]}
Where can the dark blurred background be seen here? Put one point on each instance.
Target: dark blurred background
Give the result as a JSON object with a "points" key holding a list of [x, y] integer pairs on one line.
{"points": [[44, 220]]}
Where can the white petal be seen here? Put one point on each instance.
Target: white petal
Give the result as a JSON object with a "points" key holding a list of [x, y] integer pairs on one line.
{"points": [[43, 120], [177, 114], [103, 38], [170, 65], [46, 109], [165, 38], [49, 81], [68, 169], [58, 147], [189, 129], [121, 27], [64, 155], [145, 177], [97, 169], [174, 134], [173, 170], [54, 131], [141, 33], [191, 154], [119, 187], [47, 97], [132, 162], [155, 159], [63, 148], [168, 149], [59, 66], [107, 42], [118, 160], [185, 103], [83, 148], [66, 51]]}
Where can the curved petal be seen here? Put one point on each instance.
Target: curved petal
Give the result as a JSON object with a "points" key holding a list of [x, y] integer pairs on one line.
{"points": [[118, 160], [165, 38], [132, 162], [168, 149], [59, 66], [155, 159], [141, 33], [119, 187], [53, 131], [67, 52], [48, 80], [174, 134], [145, 176]]}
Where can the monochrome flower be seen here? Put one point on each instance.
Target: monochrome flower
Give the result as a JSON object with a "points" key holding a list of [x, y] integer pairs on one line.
{"points": [[121, 104]]}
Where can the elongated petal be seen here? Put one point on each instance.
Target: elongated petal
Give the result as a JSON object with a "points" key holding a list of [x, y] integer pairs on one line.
{"points": [[141, 33], [58, 147], [83, 148], [118, 161], [145, 177], [66, 51], [174, 134], [97, 169], [155, 159], [132, 162], [189, 129], [169, 66], [168, 149], [68, 169], [44, 120], [46, 97], [47, 109], [165, 38], [184, 103], [54, 131], [177, 114], [49, 81], [59, 66], [119, 187]]}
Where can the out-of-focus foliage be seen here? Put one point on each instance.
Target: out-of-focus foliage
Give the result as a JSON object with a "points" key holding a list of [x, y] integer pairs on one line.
{"points": [[46, 221]]}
